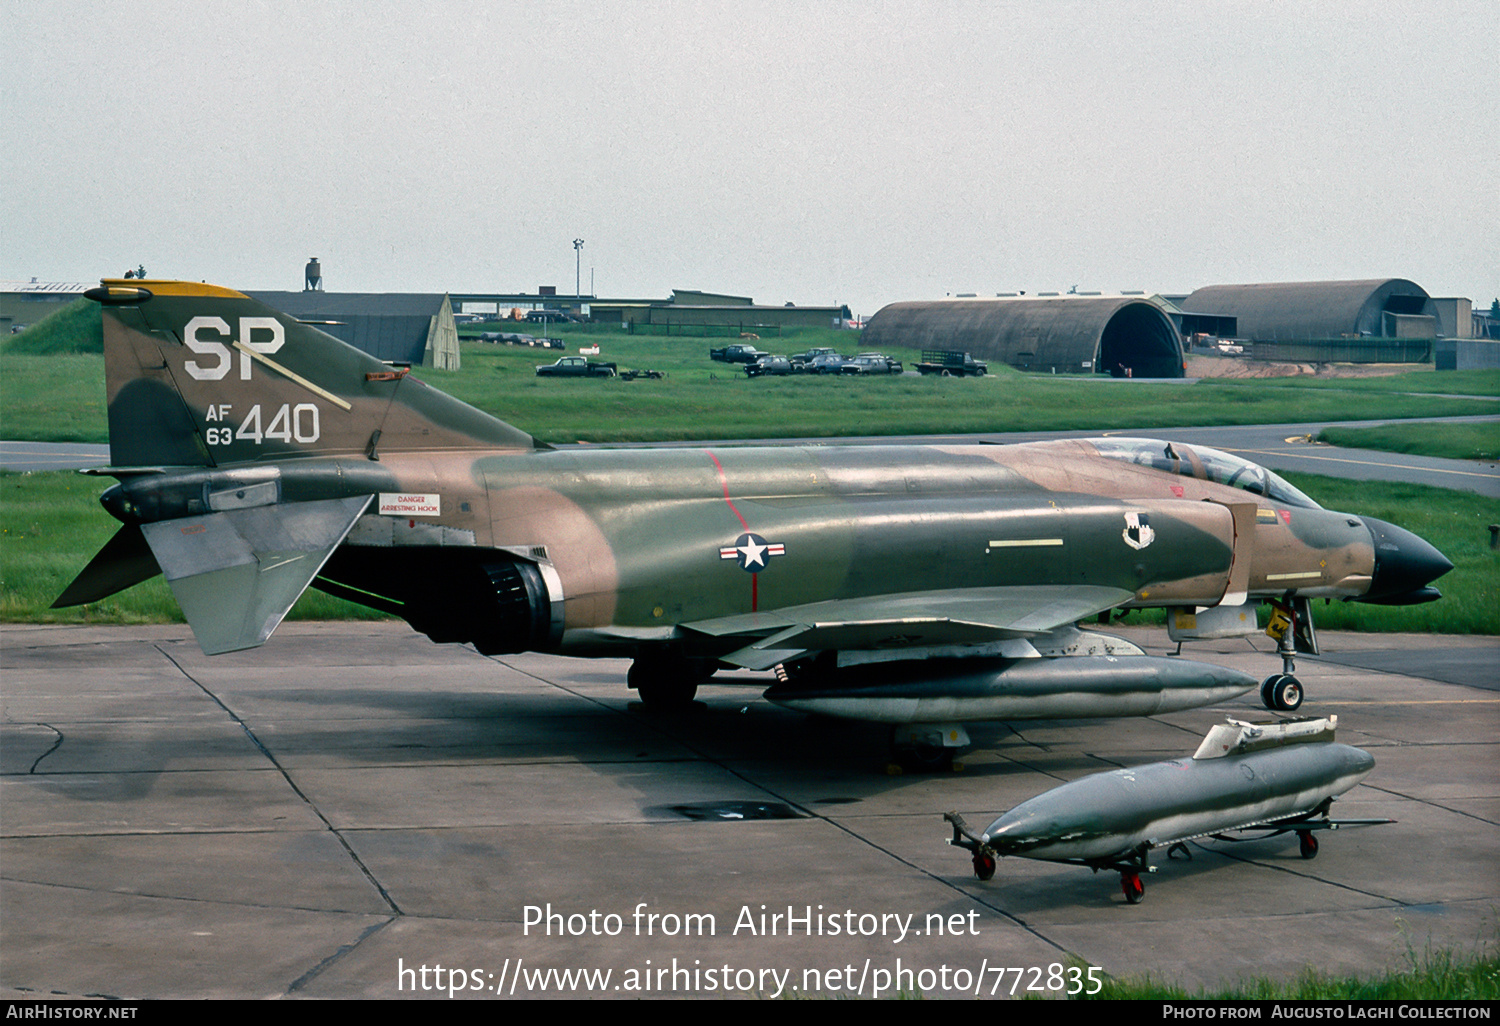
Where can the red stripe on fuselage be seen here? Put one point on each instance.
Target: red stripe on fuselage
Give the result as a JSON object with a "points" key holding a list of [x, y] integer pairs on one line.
{"points": [[724, 482]]}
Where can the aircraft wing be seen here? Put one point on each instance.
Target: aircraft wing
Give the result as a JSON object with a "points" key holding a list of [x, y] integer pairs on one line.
{"points": [[960, 616]]}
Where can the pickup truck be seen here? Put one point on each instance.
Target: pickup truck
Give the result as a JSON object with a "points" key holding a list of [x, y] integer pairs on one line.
{"points": [[576, 367], [737, 354], [951, 364]]}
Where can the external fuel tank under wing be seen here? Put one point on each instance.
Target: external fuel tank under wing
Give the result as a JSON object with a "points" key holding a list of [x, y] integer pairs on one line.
{"points": [[257, 455]]}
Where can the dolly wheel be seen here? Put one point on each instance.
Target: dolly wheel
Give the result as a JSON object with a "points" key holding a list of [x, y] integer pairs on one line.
{"points": [[1307, 844], [984, 866], [1134, 890]]}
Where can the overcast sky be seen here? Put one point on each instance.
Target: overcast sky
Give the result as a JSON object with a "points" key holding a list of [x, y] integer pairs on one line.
{"points": [[859, 152]]}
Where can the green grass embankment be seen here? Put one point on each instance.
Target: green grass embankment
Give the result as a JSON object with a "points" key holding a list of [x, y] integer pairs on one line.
{"points": [[1449, 441]]}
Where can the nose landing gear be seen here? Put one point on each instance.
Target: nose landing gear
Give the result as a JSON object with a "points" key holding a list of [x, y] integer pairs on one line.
{"points": [[1292, 627]]}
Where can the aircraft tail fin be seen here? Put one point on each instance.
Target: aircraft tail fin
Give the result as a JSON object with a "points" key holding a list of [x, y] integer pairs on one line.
{"points": [[200, 375]]}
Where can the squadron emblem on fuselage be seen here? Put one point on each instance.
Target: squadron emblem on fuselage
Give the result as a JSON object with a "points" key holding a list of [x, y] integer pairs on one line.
{"points": [[1138, 533]]}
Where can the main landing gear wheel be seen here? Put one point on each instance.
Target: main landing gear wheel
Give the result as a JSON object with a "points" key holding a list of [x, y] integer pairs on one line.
{"points": [[1282, 692], [1307, 844], [1134, 890], [662, 685], [984, 866]]}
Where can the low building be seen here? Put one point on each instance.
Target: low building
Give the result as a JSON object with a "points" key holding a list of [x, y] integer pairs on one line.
{"points": [[398, 327], [1466, 354], [1455, 316], [23, 303], [690, 312]]}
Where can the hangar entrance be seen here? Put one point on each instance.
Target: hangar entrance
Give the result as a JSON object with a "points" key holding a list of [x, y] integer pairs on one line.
{"points": [[1140, 341]]}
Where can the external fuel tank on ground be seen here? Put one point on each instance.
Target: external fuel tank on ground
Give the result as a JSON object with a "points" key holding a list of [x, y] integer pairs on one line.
{"points": [[1267, 778]]}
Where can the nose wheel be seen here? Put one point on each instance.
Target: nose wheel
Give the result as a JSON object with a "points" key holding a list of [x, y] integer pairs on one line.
{"points": [[1134, 890], [984, 865], [1282, 692]]}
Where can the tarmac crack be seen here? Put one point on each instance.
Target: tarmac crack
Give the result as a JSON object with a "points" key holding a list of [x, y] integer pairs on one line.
{"points": [[56, 744], [337, 956], [188, 899], [312, 806]]}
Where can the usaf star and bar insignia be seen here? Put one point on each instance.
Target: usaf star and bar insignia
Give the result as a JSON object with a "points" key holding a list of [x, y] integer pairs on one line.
{"points": [[752, 552]]}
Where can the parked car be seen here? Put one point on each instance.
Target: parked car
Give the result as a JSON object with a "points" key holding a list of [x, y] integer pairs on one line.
{"points": [[872, 363], [801, 360], [768, 365], [576, 367], [828, 363]]}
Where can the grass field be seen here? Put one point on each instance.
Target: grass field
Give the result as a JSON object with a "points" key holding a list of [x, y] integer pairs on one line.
{"points": [[1430, 975], [60, 397], [1450, 441], [51, 525]]}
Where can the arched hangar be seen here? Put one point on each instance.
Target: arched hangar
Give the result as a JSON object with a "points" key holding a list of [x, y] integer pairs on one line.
{"points": [[1293, 311], [1117, 335]]}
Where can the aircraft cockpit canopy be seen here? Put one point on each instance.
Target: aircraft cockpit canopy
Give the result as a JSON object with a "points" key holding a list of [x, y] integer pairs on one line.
{"points": [[1205, 464]]}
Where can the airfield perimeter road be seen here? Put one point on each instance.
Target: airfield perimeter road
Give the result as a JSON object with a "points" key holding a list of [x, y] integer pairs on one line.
{"points": [[312, 817]]}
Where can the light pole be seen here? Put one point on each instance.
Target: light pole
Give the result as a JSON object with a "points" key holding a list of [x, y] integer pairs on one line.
{"points": [[577, 269]]}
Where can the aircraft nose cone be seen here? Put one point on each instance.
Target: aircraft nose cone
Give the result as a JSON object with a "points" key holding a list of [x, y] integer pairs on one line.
{"points": [[1404, 563]]}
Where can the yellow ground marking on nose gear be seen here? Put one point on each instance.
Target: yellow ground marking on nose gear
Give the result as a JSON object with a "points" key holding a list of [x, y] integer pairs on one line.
{"points": [[286, 372]]}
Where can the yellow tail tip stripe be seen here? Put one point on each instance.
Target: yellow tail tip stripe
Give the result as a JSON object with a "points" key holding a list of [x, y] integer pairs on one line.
{"points": [[197, 289]]}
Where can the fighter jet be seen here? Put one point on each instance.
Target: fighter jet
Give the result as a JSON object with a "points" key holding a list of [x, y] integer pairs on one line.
{"points": [[917, 585], [1269, 779]]}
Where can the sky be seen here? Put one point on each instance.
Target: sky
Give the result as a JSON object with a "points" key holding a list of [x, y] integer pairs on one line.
{"points": [[812, 152]]}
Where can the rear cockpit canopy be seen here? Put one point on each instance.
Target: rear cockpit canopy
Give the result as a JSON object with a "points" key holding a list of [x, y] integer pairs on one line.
{"points": [[1203, 463]]}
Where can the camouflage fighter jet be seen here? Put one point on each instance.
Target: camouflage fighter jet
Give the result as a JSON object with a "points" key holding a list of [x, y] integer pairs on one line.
{"points": [[923, 586]]}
